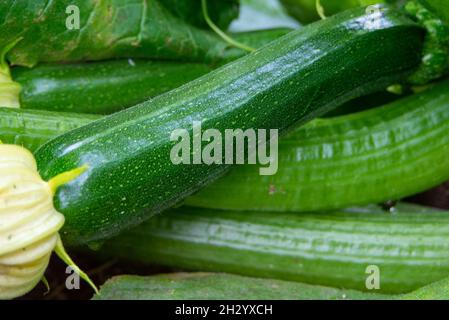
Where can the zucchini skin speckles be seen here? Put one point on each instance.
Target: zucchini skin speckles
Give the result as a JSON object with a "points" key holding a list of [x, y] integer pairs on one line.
{"points": [[303, 75], [382, 154]]}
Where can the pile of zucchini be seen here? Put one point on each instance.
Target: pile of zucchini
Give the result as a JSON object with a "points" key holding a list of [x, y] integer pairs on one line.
{"points": [[102, 100]]}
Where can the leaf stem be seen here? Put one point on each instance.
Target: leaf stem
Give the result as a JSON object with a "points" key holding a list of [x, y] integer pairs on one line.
{"points": [[220, 33]]}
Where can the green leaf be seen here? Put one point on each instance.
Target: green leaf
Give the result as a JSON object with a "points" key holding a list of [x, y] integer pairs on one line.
{"points": [[107, 29]]}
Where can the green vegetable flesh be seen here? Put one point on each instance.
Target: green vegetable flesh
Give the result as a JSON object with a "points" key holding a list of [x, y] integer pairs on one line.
{"points": [[411, 249], [200, 286], [100, 87], [377, 155], [107, 29], [303, 75]]}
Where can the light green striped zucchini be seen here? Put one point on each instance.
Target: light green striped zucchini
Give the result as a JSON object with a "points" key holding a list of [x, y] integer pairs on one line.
{"points": [[32, 128], [281, 85], [409, 248]]}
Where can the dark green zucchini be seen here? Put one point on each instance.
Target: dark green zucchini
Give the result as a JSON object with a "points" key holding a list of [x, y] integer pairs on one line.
{"points": [[100, 87], [411, 249], [107, 87], [377, 155], [300, 76], [209, 286], [415, 126]]}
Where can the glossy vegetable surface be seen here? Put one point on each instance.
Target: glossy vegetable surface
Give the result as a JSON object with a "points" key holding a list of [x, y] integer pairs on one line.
{"points": [[303, 74], [109, 86], [415, 126], [100, 87], [377, 155]]}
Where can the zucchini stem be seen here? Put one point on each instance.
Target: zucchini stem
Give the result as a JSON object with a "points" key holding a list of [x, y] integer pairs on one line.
{"points": [[220, 33]]}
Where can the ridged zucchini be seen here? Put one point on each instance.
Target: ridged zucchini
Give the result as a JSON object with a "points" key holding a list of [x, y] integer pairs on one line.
{"points": [[411, 249], [369, 157], [300, 76], [32, 128], [209, 286]]}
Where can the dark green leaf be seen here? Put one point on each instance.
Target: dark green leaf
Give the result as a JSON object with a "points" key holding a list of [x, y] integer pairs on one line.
{"points": [[107, 29]]}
